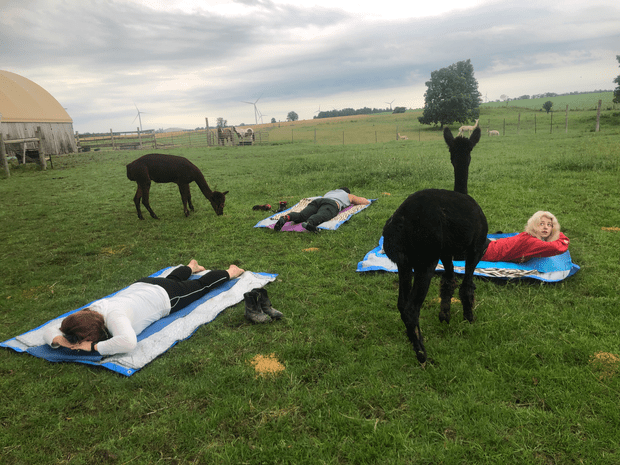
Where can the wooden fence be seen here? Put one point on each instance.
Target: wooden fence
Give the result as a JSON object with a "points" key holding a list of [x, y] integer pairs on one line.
{"points": [[163, 140]]}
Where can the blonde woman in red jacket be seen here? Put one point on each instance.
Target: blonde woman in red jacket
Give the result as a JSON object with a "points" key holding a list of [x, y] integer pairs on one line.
{"points": [[541, 238]]}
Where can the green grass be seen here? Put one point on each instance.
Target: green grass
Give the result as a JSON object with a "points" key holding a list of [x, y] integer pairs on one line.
{"points": [[575, 102], [517, 386]]}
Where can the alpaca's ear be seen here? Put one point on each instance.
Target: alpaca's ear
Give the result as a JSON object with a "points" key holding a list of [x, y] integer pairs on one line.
{"points": [[475, 137], [224, 193], [448, 137]]}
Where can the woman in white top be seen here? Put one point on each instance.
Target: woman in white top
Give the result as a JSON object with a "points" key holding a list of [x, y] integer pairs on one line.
{"points": [[111, 325]]}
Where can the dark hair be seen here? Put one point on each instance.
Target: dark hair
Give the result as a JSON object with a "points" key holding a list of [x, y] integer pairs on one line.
{"points": [[84, 325], [346, 189]]}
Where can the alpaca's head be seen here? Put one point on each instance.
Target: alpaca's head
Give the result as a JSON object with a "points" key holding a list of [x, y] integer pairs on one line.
{"points": [[218, 199], [460, 156]]}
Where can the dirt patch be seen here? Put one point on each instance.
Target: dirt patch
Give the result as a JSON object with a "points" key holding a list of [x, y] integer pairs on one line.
{"points": [[266, 365], [605, 363]]}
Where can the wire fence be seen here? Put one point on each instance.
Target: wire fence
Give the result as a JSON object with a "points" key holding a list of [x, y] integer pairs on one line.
{"points": [[345, 132]]}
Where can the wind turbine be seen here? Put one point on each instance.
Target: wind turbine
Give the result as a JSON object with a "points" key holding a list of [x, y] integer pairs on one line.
{"points": [[138, 116], [256, 112], [390, 104]]}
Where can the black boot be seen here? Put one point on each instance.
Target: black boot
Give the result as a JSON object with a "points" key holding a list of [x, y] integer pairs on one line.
{"points": [[265, 304], [252, 309], [281, 222]]}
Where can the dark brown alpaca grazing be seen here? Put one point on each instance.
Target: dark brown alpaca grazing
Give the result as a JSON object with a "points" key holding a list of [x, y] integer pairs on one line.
{"points": [[169, 168], [434, 224]]}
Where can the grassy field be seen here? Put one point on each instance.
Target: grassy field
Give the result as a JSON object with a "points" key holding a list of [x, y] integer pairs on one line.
{"points": [[574, 102], [523, 384]]}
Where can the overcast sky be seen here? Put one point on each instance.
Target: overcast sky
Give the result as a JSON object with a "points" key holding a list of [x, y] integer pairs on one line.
{"points": [[180, 61]]}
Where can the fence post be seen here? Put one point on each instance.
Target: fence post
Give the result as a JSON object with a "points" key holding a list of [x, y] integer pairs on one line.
{"points": [[207, 132], [518, 124], [39, 134], [139, 137], [342, 137], [534, 124], [112, 137], [504, 132], [551, 128], [314, 136], [598, 116], [566, 130], [3, 157]]}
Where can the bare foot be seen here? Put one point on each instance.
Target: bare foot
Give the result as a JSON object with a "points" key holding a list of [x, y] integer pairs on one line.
{"points": [[234, 271], [196, 268]]}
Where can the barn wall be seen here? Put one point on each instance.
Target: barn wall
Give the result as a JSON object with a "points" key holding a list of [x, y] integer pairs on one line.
{"points": [[59, 137]]}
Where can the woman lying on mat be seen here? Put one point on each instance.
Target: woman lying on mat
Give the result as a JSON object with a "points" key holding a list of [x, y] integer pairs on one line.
{"points": [[111, 325], [542, 238]]}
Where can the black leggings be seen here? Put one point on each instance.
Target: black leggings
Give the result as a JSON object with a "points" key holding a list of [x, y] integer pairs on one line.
{"points": [[318, 211], [182, 290]]}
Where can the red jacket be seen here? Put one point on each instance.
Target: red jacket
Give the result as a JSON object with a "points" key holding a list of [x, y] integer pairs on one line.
{"points": [[522, 247]]}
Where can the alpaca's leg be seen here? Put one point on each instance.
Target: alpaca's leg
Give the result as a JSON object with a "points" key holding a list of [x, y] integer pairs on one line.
{"points": [[411, 313], [146, 190], [405, 274], [447, 286], [466, 291], [136, 200], [184, 190]]}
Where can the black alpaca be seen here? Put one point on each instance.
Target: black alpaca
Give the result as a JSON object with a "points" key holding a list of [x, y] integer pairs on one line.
{"points": [[435, 224], [169, 168]]}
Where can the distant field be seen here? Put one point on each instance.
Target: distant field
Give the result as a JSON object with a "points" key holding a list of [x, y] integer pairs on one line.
{"points": [[574, 102]]}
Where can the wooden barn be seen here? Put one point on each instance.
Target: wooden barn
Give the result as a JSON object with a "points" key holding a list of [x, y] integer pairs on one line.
{"points": [[26, 106]]}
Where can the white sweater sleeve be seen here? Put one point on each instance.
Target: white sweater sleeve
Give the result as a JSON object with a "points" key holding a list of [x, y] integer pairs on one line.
{"points": [[123, 338], [50, 333]]}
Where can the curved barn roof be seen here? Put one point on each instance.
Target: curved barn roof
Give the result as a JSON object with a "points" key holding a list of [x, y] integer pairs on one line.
{"points": [[23, 101]]}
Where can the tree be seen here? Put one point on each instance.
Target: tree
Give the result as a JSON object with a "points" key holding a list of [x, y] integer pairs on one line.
{"points": [[617, 81], [547, 106], [292, 116], [273, 120], [399, 109], [221, 122], [452, 95]]}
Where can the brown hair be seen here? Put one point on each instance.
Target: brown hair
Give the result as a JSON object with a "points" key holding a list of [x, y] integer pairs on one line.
{"points": [[532, 226], [84, 325]]}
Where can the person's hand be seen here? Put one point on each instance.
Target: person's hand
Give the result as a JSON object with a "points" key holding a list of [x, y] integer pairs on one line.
{"points": [[234, 271], [62, 341], [83, 345]]}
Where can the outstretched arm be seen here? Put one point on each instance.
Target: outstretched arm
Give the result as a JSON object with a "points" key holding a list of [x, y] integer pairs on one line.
{"points": [[358, 200]]}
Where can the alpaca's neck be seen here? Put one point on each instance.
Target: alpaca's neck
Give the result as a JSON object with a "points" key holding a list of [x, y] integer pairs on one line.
{"points": [[204, 187], [460, 180]]}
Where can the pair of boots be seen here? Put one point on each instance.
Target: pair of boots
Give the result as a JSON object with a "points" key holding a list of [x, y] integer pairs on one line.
{"points": [[258, 307]]}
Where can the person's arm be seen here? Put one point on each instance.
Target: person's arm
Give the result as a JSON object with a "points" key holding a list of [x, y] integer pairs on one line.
{"points": [[54, 337], [355, 200], [523, 247], [123, 340], [61, 341]]}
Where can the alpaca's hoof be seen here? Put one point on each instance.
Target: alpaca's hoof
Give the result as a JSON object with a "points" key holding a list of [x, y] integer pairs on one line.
{"points": [[444, 317], [421, 356]]}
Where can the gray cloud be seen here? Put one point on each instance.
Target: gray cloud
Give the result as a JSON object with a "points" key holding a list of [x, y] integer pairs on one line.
{"points": [[98, 58]]}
